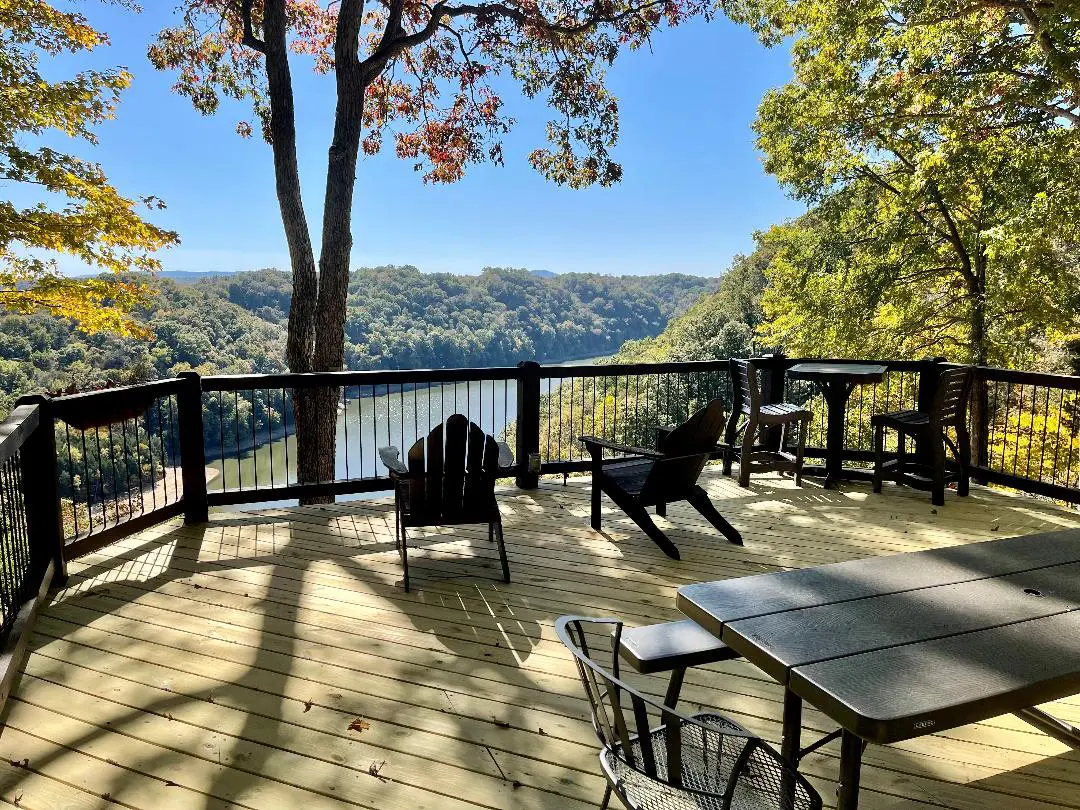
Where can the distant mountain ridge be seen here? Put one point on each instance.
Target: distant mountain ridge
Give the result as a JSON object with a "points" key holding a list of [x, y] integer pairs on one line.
{"points": [[397, 317]]}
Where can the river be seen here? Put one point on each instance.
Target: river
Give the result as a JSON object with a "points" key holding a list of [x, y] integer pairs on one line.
{"points": [[370, 422]]}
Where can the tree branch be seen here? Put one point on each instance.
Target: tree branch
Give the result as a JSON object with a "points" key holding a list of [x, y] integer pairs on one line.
{"points": [[250, 40]]}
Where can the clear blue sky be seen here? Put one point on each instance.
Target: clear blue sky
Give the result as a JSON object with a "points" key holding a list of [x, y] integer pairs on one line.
{"points": [[692, 194]]}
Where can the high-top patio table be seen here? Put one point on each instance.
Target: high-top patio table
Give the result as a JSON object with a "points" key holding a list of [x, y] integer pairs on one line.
{"points": [[836, 381], [906, 645]]}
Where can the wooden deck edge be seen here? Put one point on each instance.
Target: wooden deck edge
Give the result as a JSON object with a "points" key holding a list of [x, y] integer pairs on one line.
{"points": [[13, 656]]}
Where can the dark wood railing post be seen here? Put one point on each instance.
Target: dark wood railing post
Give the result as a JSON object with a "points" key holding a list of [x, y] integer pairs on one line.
{"points": [[528, 424], [41, 494], [192, 455], [929, 372]]}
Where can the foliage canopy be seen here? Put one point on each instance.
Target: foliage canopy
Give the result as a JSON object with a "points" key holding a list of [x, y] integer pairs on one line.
{"points": [[937, 146], [78, 213]]}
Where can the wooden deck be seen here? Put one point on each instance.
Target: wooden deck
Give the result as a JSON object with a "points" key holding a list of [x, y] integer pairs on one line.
{"points": [[271, 660]]}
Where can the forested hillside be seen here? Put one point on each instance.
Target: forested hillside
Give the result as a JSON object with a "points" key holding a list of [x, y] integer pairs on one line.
{"points": [[398, 317]]}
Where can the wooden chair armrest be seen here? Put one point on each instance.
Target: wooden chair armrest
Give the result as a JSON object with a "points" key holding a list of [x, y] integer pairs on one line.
{"points": [[597, 445], [391, 458]]}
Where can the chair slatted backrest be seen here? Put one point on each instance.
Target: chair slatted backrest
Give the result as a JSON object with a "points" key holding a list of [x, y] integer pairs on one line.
{"points": [[951, 396], [745, 393], [686, 452], [452, 466], [621, 714]]}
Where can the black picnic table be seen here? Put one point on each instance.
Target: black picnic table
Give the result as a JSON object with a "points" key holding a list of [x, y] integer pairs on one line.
{"points": [[836, 381], [901, 646]]}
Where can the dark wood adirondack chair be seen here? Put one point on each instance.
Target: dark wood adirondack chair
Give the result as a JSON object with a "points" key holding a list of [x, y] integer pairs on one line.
{"points": [[448, 479], [949, 410], [659, 477], [746, 395]]}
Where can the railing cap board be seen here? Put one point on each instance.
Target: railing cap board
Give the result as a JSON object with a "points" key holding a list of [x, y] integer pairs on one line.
{"points": [[92, 409], [341, 379], [16, 429]]}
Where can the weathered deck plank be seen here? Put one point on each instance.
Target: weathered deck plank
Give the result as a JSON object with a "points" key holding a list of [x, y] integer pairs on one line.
{"points": [[222, 665]]}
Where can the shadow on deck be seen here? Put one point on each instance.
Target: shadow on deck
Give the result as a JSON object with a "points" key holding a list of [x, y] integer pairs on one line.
{"points": [[270, 658]]}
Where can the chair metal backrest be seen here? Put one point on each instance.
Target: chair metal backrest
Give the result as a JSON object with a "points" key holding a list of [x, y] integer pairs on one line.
{"points": [[743, 770], [460, 463], [622, 717], [745, 393], [686, 451], [951, 396]]}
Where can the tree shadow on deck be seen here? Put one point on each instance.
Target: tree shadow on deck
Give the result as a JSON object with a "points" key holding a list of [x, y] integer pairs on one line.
{"points": [[302, 698]]}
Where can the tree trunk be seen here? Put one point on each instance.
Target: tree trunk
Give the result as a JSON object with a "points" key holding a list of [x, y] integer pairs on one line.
{"points": [[316, 460]]}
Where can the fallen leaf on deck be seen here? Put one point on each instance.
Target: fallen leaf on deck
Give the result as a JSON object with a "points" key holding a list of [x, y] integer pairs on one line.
{"points": [[307, 705], [20, 763], [500, 723], [360, 725]]}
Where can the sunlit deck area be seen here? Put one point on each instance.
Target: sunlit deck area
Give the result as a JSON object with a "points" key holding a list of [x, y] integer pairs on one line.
{"points": [[270, 659]]}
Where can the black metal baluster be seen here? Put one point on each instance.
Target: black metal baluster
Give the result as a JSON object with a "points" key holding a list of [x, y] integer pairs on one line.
{"points": [[345, 414], [138, 466], [71, 476], [270, 435], [285, 423], [254, 457], [549, 402], [221, 435], [1019, 426], [1046, 419], [1057, 435], [1031, 433], [236, 434], [173, 438]]}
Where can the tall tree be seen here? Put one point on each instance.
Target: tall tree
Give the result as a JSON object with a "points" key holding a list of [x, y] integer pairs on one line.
{"points": [[938, 144], [75, 211], [424, 73]]}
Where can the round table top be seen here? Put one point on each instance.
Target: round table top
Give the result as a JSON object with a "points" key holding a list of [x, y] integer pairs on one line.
{"points": [[850, 372]]}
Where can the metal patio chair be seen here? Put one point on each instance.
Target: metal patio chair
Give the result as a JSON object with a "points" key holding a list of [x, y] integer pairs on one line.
{"points": [[659, 477], [656, 758], [949, 410], [746, 396], [452, 483]]}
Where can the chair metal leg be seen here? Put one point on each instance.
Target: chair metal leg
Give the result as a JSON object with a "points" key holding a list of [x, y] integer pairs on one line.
{"points": [[607, 797]]}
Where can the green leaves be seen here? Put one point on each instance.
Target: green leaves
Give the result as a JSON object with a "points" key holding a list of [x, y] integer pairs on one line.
{"points": [[934, 143]]}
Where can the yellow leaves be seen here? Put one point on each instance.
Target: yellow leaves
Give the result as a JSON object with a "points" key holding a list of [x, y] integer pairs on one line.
{"points": [[96, 224]]}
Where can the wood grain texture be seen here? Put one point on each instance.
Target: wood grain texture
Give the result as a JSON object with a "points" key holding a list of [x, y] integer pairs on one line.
{"points": [[221, 665]]}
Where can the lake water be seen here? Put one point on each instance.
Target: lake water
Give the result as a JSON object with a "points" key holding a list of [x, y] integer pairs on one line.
{"points": [[365, 424]]}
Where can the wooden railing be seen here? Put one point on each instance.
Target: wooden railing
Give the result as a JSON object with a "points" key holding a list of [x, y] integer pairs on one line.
{"points": [[31, 551], [125, 458]]}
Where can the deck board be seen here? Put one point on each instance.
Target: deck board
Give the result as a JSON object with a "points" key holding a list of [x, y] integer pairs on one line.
{"points": [[222, 665]]}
